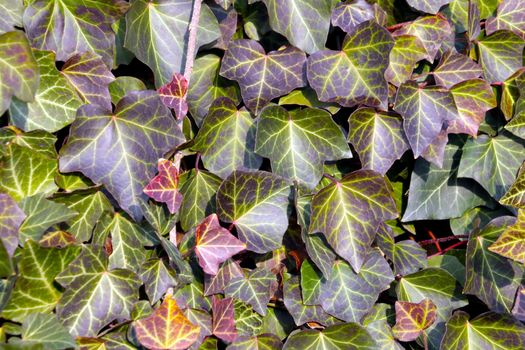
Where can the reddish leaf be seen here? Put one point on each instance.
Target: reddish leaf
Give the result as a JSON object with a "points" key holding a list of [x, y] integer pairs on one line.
{"points": [[215, 244], [166, 328], [165, 186], [173, 95], [413, 318], [224, 319]]}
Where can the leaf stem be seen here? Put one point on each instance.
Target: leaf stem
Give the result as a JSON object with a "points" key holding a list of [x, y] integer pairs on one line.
{"points": [[331, 178], [442, 239], [455, 245], [435, 241], [192, 39], [197, 160]]}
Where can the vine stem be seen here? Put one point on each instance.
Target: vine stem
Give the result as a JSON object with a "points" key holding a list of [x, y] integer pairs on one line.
{"points": [[192, 39], [331, 178], [442, 239], [455, 245]]}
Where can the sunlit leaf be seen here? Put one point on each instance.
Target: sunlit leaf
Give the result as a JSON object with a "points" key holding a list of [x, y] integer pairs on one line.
{"points": [[427, 6], [262, 342], [173, 95], [377, 325], [157, 278], [216, 284], [509, 17], [11, 217], [44, 329], [413, 318], [247, 321], [12, 11], [224, 319], [164, 187], [515, 196], [349, 336], [407, 51], [455, 68], [122, 85], [511, 243], [349, 14]]}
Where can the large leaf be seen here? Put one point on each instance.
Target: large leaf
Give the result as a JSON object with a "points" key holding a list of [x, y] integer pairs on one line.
{"points": [[157, 33], [11, 217], [378, 138], [299, 142], [70, 27], [349, 211], [304, 23], [94, 293], [18, 67], [492, 161], [509, 17], [354, 75], [349, 336], [407, 51], [225, 122], [119, 149], [489, 276], [487, 331], [256, 204], [44, 329], [511, 243], [263, 76], [166, 328], [34, 289], [348, 295]]}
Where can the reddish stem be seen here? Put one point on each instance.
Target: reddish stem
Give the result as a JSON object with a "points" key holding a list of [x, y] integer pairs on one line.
{"points": [[395, 27], [442, 239], [455, 245], [436, 243]]}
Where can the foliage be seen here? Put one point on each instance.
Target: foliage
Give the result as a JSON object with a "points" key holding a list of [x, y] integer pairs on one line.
{"points": [[262, 174]]}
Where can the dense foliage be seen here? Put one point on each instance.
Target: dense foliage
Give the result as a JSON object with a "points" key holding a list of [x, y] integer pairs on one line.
{"points": [[299, 174]]}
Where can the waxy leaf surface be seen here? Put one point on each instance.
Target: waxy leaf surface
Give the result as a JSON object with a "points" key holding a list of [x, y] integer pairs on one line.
{"points": [[407, 51], [11, 217], [164, 187], [224, 319], [349, 336], [509, 16], [455, 68], [413, 318]]}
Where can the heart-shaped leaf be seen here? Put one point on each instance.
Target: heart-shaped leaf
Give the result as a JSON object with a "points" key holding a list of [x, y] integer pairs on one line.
{"points": [[254, 288], [511, 243], [413, 318], [173, 95], [164, 187]]}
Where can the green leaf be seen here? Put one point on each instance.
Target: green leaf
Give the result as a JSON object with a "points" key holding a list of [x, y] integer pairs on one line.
{"points": [[255, 203], [376, 323], [354, 75], [299, 142], [94, 293], [261, 342], [18, 68], [407, 51], [157, 278], [307, 97], [475, 218], [35, 290], [237, 128], [247, 321], [44, 329], [156, 32], [11, 217], [311, 279], [348, 295], [349, 211], [38, 141], [489, 276], [55, 103], [487, 331], [378, 138], [12, 11], [254, 288], [515, 196], [122, 85], [511, 243], [216, 284], [192, 296], [492, 161], [349, 336]]}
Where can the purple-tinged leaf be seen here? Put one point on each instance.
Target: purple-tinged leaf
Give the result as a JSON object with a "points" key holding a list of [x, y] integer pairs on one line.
{"points": [[203, 319], [348, 336], [455, 68], [255, 288], [157, 279], [236, 129], [164, 187], [349, 14], [119, 149], [224, 319], [510, 16], [74, 27], [435, 153], [428, 6], [511, 243], [11, 217], [227, 18], [424, 111], [518, 311], [378, 137], [18, 69], [407, 51], [216, 284], [354, 75], [263, 76], [90, 77], [255, 203], [12, 11], [262, 341], [515, 196], [431, 30], [215, 244], [349, 211], [413, 318], [173, 95]]}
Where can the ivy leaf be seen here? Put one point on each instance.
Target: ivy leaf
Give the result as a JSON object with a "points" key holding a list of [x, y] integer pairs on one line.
{"points": [[428, 6], [94, 292], [263, 341], [354, 75], [247, 321], [164, 187], [424, 111], [255, 203], [489, 276], [413, 318], [349, 211], [72, 27], [407, 51], [173, 95], [455, 68], [207, 86], [215, 244], [430, 30], [518, 311], [311, 284], [263, 76], [237, 128], [34, 288], [119, 149], [509, 17], [349, 14], [378, 138], [500, 55], [473, 99], [44, 329], [492, 161], [192, 296], [11, 217], [515, 196], [299, 142], [487, 331], [157, 279], [228, 271], [18, 68], [377, 325], [511, 243], [55, 103], [157, 33], [348, 295], [122, 85], [304, 23], [437, 193], [166, 328], [224, 319], [348, 336], [39, 141], [254, 288], [12, 11], [90, 77]]}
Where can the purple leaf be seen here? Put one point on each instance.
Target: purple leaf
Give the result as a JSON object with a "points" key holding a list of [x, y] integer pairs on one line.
{"points": [[224, 319], [11, 217], [455, 68], [216, 284], [349, 14], [173, 95], [164, 187]]}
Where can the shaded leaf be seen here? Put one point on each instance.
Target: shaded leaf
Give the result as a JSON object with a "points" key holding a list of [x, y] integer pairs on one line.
{"points": [[157, 278], [413, 318], [310, 280], [173, 95], [518, 311], [511, 243], [11, 217], [164, 187], [254, 288], [262, 342], [348, 336], [224, 319], [216, 284], [44, 329]]}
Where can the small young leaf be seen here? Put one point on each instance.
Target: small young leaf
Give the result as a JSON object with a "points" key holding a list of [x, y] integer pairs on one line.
{"points": [[413, 318]]}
